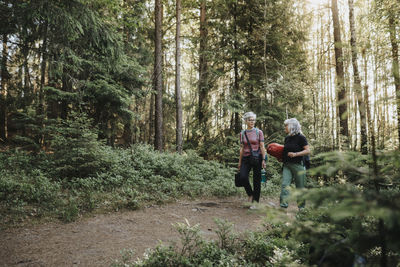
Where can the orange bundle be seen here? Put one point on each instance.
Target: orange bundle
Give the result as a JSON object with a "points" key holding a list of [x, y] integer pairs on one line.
{"points": [[275, 150]]}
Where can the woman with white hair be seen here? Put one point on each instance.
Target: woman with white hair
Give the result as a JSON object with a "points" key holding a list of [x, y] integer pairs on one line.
{"points": [[252, 156], [295, 148]]}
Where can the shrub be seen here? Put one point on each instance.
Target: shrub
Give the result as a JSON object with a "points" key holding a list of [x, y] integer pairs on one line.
{"points": [[34, 188], [67, 183], [355, 217], [262, 248], [77, 153]]}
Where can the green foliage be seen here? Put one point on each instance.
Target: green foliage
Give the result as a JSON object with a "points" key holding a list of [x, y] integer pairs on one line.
{"points": [[81, 174], [190, 238], [76, 151], [273, 248], [356, 216], [89, 65], [222, 148], [70, 211], [332, 166], [224, 232], [255, 249], [188, 174], [34, 188]]}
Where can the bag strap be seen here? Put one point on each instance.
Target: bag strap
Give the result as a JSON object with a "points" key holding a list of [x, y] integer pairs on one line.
{"points": [[248, 142], [257, 134]]}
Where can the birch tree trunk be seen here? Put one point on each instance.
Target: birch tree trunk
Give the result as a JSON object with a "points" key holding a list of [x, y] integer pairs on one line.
{"points": [[357, 80], [395, 66], [340, 76]]}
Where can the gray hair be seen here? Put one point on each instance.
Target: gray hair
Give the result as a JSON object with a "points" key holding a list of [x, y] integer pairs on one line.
{"points": [[293, 125], [249, 115]]}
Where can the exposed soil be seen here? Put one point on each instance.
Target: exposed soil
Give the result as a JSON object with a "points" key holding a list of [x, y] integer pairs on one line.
{"points": [[98, 240]]}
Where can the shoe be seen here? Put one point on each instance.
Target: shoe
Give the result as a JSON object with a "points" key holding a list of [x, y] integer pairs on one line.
{"points": [[253, 207]]}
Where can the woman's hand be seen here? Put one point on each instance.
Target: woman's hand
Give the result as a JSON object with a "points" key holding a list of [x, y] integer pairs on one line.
{"points": [[239, 166], [292, 154], [264, 165]]}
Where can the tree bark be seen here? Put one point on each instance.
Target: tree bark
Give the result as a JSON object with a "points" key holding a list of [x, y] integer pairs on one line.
{"points": [[395, 66], [331, 92], [151, 118], [357, 81], [366, 95], [342, 101], [53, 108], [3, 92], [237, 125], [43, 65], [203, 72], [178, 79], [27, 87], [67, 87], [158, 139]]}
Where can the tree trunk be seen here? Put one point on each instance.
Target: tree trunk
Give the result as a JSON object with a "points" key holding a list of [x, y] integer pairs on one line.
{"points": [[158, 139], [178, 79], [237, 125], [43, 69], [3, 92], [395, 66], [342, 102], [40, 109], [53, 108], [331, 91], [67, 87], [357, 81], [27, 81], [203, 73], [366, 95], [151, 118], [236, 86], [127, 134]]}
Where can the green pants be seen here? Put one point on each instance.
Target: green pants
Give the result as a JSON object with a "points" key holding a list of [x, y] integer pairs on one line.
{"points": [[292, 171]]}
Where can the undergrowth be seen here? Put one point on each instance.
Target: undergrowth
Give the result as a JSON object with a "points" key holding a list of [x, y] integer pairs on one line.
{"points": [[34, 186]]}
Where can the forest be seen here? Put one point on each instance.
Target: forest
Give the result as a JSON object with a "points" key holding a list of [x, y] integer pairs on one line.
{"points": [[110, 105]]}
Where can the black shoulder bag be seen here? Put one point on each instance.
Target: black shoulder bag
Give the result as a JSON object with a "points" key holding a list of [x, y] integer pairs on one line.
{"points": [[238, 182], [254, 155]]}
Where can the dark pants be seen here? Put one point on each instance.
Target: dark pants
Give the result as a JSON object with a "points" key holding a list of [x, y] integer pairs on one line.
{"points": [[244, 177]]}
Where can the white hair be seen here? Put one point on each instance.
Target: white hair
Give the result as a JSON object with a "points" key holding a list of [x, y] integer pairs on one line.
{"points": [[293, 125], [249, 115]]}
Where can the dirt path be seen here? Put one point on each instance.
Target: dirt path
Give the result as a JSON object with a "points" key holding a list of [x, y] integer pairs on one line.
{"points": [[97, 240]]}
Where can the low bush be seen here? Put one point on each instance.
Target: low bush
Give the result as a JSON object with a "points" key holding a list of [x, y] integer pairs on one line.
{"points": [[263, 248], [59, 185], [354, 222]]}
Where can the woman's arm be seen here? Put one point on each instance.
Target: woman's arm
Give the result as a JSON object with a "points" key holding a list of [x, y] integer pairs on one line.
{"points": [[240, 156], [262, 148], [305, 151]]}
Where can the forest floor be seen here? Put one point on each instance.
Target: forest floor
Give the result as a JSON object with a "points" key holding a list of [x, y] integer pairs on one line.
{"points": [[98, 240]]}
